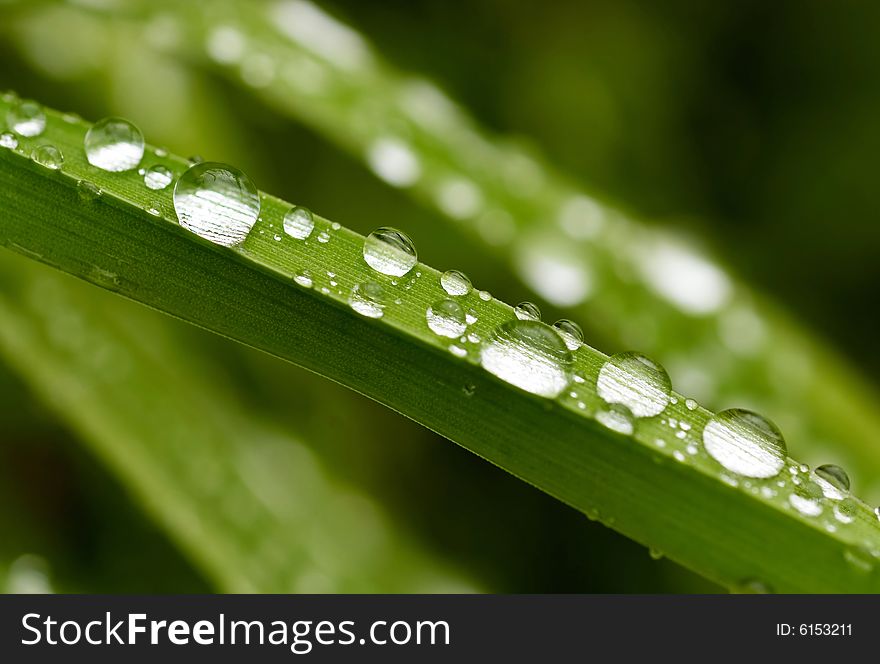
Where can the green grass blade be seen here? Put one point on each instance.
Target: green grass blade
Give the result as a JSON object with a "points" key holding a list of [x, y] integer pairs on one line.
{"points": [[619, 276], [248, 503], [673, 497]]}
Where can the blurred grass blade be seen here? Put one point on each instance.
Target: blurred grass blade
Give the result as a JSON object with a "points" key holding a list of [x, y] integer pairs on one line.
{"points": [[249, 504], [669, 495], [631, 285]]}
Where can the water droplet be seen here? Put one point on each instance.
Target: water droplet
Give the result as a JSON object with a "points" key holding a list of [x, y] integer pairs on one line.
{"points": [[751, 587], [87, 191], [299, 223], [458, 351], [157, 177], [656, 554], [485, 296], [26, 118], [845, 510], [368, 299], [529, 355], [860, 558], [304, 278], [834, 475], [745, 443], [389, 251], [455, 282], [446, 318], [323, 237], [114, 144], [8, 140], [571, 333], [617, 418], [527, 311], [806, 499], [635, 381], [877, 513], [217, 202], [48, 156], [690, 404], [154, 209], [471, 317]]}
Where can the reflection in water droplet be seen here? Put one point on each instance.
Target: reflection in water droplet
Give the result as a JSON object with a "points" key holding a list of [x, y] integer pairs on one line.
{"points": [[157, 177], [527, 311], [368, 299], [217, 202], [834, 475], [690, 404], [616, 417], [446, 318], [485, 296], [745, 443], [48, 156], [529, 355], [806, 499], [455, 282], [26, 118], [571, 333], [299, 223], [635, 381], [8, 140], [114, 144], [389, 251], [845, 510]]}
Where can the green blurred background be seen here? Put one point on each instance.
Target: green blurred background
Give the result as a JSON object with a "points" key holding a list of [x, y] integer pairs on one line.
{"points": [[751, 124]]}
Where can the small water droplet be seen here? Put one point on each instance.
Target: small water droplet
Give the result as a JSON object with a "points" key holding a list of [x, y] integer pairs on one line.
{"points": [[304, 278], [806, 499], [635, 381], [217, 202], [860, 558], [157, 177], [160, 152], [323, 237], [458, 351], [26, 118], [114, 144], [745, 443], [656, 554], [389, 251], [751, 587], [299, 223], [48, 156], [690, 404], [529, 355], [485, 296], [153, 209], [471, 317], [834, 475], [527, 311], [446, 318], [87, 191], [368, 299], [8, 140], [571, 333], [845, 510], [618, 418], [455, 282]]}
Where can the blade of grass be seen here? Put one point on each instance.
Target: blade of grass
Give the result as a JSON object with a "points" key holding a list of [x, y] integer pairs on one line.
{"points": [[673, 497], [248, 503], [630, 285]]}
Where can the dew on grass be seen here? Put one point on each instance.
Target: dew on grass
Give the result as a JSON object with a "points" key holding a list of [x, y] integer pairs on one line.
{"points": [[48, 156], [806, 498], [8, 140], [368, 299], [527, 311], [446, 318], [845, 510], [745, 443], [571, 333], [299, 223], [114, 144], [157, 177], [217, 202], [835, 476], [617, 417], [485, 296], [87, 191], [26, 118], [690, 404], [455, 283], [389, 251], [304, 279], [529, 355], [635, 381]]}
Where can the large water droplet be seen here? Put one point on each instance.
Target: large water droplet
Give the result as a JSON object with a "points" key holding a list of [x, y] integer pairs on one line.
{"points": [[114, 144], [48, 156], [571, 333], [157, 177], [217, 202], [745, 443], [446, 318], [299, 223], [26, 118], [529, 355], [368, 299], [455, 282], [834, 475], [527, 311], [389, 251], [635, 381]]}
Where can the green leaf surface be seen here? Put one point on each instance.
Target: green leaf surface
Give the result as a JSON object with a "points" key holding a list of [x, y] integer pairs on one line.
{"points": [[656, 485]]}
